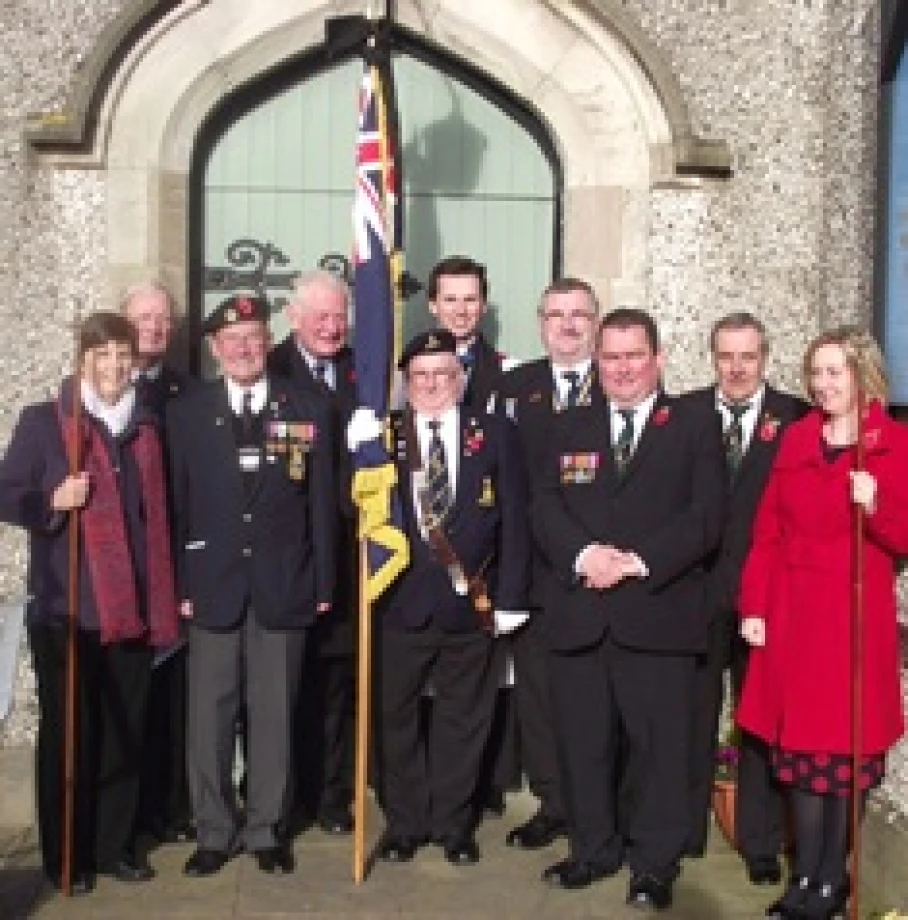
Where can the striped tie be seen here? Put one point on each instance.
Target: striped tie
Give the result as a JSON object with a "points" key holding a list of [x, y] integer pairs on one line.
{"points": [[438, 481]]}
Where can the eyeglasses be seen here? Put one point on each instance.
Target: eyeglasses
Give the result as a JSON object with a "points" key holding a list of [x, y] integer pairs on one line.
{"points": [[424, 377], [249, 339], [557, 316]]}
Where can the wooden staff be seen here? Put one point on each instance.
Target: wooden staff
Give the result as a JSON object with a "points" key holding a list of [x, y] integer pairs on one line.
{"points": [[72, 694], [363, 714], [857, 669]]}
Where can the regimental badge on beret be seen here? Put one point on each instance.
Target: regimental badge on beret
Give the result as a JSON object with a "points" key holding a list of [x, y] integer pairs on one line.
{"points": [[237, 309], [435, 342]]}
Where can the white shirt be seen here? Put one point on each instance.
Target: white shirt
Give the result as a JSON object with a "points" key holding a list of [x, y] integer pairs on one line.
{"points": [[641, 415], [748, 419], [259, 392], [561, 385], [152, 372], [449, 432], [330, 376]]}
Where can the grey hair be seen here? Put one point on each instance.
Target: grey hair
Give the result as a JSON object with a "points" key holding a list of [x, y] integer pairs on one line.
{"points": [[315, 278], [147, 287]]}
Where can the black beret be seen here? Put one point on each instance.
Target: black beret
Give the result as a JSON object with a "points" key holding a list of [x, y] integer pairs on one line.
{"points": [[434, 342], [240, 308]]}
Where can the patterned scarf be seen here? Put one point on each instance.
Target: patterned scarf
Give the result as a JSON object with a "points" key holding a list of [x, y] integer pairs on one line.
{"points": [[105, 542]]}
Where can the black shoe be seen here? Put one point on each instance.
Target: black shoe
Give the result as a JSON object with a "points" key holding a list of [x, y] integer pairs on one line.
{"points": [[399, 849], [81, 883], [538, 832], [463, 852], [824, 902], [649, 892], [278, 859], [128, 868], [578, 873], [178, 832], [789, 905], [764, 870], [205, 862], [335, 821]]}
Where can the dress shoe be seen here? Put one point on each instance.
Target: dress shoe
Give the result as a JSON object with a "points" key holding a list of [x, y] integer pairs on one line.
{"points": [[335, 821], [578, 873], [789, 905], [394, 848], [128, 868], [538, 832], [764, 870], [649, 892], [205, 862], [463, 852], [824, 902], [81, 883], [278, 859]]}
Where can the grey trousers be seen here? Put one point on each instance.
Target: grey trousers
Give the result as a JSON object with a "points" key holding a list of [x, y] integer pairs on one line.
{"points": [[261, 667]]}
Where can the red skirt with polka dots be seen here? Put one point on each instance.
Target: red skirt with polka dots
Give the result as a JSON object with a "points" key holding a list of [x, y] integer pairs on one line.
{"points": [[825, 774]]}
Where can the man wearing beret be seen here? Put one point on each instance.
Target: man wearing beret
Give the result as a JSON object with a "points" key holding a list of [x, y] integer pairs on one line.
{"points": [[254, 507], [463, 490]]}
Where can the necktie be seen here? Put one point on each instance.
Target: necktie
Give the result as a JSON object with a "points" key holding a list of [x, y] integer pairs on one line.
{"points": [[246, 416], [624, 445], [438, 482], [573, 393], [734, 436], [321, 373]]}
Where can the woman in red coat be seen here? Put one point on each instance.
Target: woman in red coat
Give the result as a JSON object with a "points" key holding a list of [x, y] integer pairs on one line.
{"points": [[796, 612]]}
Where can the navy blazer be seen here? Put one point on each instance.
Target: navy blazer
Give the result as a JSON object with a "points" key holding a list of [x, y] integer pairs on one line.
{"points": [[667, 507], [487, 526], [273, 545]]}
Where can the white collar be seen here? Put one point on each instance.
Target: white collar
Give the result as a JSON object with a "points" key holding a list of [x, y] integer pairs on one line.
{"points": [[641, 410], [115, 417], [755, 399], [582, 368], [259, 391], [152, 372], [447, 418]]}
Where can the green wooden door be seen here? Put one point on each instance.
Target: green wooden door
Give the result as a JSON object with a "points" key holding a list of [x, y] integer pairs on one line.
{"points": [[475, 183]]}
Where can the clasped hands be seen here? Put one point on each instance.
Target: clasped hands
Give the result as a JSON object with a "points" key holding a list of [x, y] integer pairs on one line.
{"points": [[603, 566]]}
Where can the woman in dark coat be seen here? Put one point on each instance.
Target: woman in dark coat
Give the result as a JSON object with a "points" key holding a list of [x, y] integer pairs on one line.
{"points": [[126, 603], [796, 607]]}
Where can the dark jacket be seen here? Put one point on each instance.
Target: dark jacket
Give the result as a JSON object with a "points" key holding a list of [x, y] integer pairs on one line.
{"points": [[485, 375]]}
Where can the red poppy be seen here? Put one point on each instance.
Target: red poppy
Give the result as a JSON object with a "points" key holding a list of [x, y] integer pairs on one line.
{"points": [[245, 306], [769, 428], [660, 417]]}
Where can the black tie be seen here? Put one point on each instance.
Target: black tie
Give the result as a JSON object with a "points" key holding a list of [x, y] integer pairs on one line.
{"points": [[624, 445], [734, 436], [573, 393], [438, 482], [321, 373], [246, 416]]}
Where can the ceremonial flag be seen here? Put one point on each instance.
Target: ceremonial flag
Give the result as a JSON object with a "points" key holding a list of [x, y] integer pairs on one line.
{"points": [[377, 228]]}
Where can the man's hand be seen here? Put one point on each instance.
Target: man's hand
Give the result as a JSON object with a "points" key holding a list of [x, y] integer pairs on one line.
{"points": [[186, 610], [753, 631], [71, 493], [602, 567], [322, 608], [363, 426], [863, 490]]}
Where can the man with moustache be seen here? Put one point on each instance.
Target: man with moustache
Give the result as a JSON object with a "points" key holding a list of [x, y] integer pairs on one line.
{"points": [[164, 801], [254, 494], [753, 416], [463, 496], [316, 357], [626, 509], [532, 395]]}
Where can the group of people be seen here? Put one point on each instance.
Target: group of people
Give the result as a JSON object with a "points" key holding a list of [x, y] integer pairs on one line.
{"points": [[622, 548]]}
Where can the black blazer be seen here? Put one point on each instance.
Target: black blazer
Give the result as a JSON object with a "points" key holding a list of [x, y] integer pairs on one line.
{"points": [[168, 385], [485, 376], [273, 545], [668, 508], [726, 561], [335, 632], [488, 522]]}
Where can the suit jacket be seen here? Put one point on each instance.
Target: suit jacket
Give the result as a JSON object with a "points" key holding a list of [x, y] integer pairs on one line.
{"points": [[334, 632], [668, 508], [528, 396], [272, 544], [725, 562], [485, 376], [169, 384], [487, 527]]}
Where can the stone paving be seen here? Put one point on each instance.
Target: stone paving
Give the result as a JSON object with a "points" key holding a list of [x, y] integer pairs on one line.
{"points": [[505, 884]]}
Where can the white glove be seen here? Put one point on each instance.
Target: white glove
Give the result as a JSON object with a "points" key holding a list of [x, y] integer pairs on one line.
{"points": [[363, 426], [753, 631], [506, 621]]}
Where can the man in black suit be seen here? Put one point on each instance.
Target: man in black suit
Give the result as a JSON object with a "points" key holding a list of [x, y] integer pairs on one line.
{"points": [[164, 802], [463, 492], [532, 395], [629, 505], [753, 417], [252, 473], [315, 357]]}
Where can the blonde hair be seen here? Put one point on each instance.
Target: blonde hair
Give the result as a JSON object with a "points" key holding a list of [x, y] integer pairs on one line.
{"points": [[862, 354]]}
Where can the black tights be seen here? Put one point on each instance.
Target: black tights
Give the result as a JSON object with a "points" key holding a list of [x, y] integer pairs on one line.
{"points": [[821, 835]]}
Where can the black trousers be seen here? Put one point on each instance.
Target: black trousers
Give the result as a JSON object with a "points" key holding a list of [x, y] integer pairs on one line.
{"points": [[433, 800], [595, 692], [164, 799], [324, 732], [112, 692]]}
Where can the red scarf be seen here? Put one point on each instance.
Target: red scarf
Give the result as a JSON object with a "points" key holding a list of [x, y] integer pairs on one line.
{"points": [[106, 546]]}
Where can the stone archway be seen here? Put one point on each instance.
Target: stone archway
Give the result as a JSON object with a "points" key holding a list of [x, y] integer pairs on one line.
{"points": [[614, 107]]}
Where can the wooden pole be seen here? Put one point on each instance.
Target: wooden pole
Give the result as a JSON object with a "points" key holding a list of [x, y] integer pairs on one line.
{"points": [[72, 622], [363, 715], [857, 673]]}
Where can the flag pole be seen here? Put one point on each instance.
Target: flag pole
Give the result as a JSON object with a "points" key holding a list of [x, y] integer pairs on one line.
{"points": [[72, 627], [857, 668]]}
